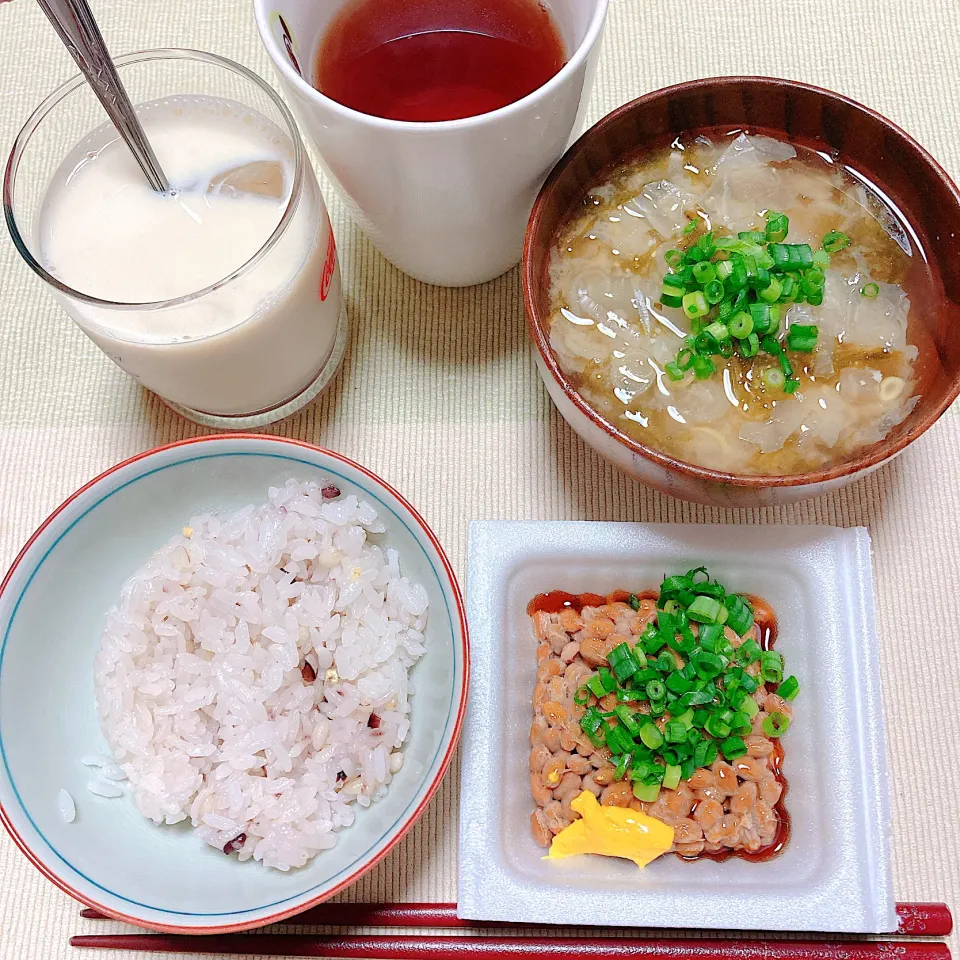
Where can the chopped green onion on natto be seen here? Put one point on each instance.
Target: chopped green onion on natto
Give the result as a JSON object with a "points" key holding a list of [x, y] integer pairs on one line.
{"points": [[733, 290], [684, 692]]}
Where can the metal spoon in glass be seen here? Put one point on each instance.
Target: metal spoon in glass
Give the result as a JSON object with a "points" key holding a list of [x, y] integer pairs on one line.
{"points": [[74, 22]]}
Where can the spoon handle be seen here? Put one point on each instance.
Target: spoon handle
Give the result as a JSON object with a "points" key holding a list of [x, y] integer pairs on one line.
{"points": [[74, 22]]}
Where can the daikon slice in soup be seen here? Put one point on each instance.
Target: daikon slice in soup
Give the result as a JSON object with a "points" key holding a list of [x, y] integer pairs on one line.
{"points": [[740, 303]]}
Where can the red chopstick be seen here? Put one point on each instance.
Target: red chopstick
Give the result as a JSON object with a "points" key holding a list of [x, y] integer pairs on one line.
{"points": [[521, 948], [916, 919], [924, 919]]}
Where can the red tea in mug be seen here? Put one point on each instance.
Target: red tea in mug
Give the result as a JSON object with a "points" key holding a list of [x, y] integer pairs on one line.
{"points": [[433, 60]]}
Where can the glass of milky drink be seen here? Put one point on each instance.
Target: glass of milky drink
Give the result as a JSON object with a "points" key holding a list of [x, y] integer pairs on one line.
{"points": [[223, 296]]}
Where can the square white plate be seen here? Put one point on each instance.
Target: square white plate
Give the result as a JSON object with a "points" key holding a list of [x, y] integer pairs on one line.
{"points": [[834, 874]]}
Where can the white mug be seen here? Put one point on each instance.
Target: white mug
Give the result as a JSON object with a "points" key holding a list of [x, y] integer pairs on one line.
{"points": [[447, 202]]}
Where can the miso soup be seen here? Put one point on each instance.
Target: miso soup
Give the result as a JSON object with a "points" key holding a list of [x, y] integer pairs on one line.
{"points": [[739, 303]]}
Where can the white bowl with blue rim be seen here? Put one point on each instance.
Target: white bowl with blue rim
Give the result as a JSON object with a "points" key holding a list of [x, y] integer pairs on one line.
{"points": [[52, 607]]}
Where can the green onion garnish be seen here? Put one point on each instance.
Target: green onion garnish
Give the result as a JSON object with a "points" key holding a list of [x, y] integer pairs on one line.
{"points": [[749, 706], [802, 338], [674, 732], [704, 272], [623, 663], [695, 305], [719, 331], [791, 256], [653, 643], [713, 291], [731, 288], [591, 721], [739, 615], [773, 379], [750, 347], [671, 777], [771, 292], [626, 718], [733, 747], [741, 325], [673, 585], [705, 753], [595, 685], [619, 740], [870, 290], [771, 667], [703, 367], [778, 225], [685, 359], [647, 793], [789, 688], [708, 665], [620, 768], [678, 709], [710, 633], [775, 725], [651, 736], [740, 723], [765, 319], [707, 610], [835, 241], [686, 718], [717, 727], [655, 689], [749, 651]]}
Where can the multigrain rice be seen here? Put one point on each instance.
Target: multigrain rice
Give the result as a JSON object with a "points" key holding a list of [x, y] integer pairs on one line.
{"points": [[254, 675]]}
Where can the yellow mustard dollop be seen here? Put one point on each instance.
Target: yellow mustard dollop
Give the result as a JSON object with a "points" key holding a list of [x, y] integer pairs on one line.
{"points": [[612, 832]]}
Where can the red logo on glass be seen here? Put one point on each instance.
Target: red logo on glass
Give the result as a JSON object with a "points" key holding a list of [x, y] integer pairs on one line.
{"points": [[330, 264]]}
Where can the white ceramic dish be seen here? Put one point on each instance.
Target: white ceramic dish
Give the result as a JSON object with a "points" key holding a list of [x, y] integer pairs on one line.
{"points": [[834, 874], [52, 607]]}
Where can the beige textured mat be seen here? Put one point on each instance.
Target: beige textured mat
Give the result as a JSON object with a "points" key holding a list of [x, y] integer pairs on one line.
{"points": [[439, 394]]}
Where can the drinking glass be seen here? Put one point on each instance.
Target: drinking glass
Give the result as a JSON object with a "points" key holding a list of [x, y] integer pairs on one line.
{"points": [[266, 356]]}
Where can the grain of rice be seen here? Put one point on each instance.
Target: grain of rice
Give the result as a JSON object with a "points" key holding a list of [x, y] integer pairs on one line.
{"points": [[66, 806], [200, 684], [105, 788], [112, 771]]}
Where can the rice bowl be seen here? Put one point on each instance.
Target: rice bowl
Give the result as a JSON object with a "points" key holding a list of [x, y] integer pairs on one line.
{"points": [[109, 855]]}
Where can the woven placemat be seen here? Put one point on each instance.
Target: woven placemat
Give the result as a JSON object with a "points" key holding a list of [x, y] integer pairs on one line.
{"points": [[439, 394]]}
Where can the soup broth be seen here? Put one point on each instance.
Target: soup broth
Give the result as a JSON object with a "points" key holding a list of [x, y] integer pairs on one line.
{"points": [[613, 335]]}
